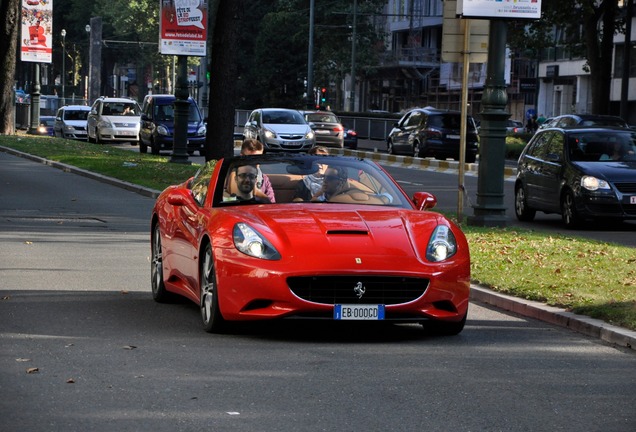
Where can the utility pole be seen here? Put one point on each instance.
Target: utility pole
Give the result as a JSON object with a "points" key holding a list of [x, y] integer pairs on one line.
{"points": [[310, 59], [352, 94]]}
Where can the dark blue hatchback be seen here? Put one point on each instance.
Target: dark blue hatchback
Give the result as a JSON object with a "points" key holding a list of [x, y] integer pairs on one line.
{"points": [[581, 173], [157, 125]]}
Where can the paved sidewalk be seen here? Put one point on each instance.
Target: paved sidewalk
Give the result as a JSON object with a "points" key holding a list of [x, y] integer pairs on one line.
{"points": [[579, 323]]}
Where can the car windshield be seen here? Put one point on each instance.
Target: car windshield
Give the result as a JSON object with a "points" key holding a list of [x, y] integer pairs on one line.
{"points": [[592, 146], [120, 109], [166, 113], [322, 118], [313, 179], [76, 114], [283, 117]]}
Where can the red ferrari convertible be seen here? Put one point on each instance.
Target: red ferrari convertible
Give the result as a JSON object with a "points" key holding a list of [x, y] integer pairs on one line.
{"points": [[323, 237]]}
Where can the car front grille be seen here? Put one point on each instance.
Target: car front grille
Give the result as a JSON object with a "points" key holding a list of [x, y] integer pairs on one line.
{"points": [[626, 187], [330, 290], [291, 136]]}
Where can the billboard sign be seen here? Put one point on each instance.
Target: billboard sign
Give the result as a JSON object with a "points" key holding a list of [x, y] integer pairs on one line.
{"points": [[183, 27], [528, 9], [36, 42]]}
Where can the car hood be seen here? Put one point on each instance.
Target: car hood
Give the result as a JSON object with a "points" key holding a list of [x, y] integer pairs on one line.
{"points": [[339, 230], [609, 170], [287, 128]]}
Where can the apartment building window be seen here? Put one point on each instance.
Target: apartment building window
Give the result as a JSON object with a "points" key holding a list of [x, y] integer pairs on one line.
{"points": [[618, 61]]}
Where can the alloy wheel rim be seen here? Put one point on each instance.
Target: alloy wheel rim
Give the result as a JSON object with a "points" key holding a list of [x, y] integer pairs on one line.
{"points": [[207, 288]]}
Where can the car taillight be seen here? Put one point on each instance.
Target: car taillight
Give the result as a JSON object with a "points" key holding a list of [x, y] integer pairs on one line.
{"points": [[352, 133], [338, 129], [433, 133]]}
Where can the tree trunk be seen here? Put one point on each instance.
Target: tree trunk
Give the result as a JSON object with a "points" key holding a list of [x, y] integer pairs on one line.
{"points": [[223, 75], [9, 27], [600, 45]]}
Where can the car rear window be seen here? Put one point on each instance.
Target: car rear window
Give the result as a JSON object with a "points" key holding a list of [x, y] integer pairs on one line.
{"points": [[448, 121]]}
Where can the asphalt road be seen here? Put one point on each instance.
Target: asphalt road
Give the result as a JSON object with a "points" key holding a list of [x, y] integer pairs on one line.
{"points": [[83, 346]]}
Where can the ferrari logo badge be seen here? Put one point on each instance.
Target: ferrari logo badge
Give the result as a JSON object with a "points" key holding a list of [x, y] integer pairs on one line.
{"points": [[358, 261], [359, 289]]}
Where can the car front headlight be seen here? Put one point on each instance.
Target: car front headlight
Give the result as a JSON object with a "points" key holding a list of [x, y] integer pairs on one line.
{"points": [[592, 183], [442, 244], [202, 131], [69, 128], [250, 242], [310, 135], [270, 134], [162, 130]]}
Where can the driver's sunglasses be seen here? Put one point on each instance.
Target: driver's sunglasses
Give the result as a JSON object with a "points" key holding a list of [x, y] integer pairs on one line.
{"points": [[244, 176]]}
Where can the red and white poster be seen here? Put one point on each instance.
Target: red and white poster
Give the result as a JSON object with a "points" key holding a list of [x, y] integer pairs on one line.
{"points": [[37, 31], [183, 27]]}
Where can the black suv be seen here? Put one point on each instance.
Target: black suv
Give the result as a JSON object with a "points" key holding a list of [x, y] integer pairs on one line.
{"points": [[432, 132]]}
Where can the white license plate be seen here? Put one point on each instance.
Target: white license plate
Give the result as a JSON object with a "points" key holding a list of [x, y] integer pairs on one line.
{"points": [[452, 136], [126, 133], [358, 312], [322, 131], [632, 200]]}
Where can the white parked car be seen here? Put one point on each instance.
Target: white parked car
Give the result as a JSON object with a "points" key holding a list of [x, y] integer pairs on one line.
{"points": [[70, 122], [114, 119]]}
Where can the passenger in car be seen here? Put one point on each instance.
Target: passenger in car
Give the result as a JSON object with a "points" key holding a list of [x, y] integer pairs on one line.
{"points": [[263, 185], [335, 182], [245, 178], [311, 185]]}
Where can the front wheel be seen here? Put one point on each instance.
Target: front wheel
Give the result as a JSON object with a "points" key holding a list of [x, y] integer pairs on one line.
{"points": [[389, 147], [569, 214], [143, 148], [159, 292], [210, 313], [417, 149], [445, 328], [523, 212]]}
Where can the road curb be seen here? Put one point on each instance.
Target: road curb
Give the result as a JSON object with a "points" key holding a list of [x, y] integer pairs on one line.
{"points": [[152, 193], [542, 312], [579, 323]]}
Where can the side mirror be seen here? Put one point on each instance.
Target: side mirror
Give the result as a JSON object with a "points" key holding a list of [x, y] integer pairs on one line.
{"points": [[553, 157], [312, 125], [179, 197], [424, 200], [144, 117]]}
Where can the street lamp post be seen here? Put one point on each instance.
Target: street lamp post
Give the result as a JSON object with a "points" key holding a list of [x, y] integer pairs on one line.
{"points": [[63, 65], [88, 67]]}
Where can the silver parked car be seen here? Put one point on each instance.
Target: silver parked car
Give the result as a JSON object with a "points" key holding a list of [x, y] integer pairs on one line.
{"points": [[70, 122], [280, 129], [114, 119]]}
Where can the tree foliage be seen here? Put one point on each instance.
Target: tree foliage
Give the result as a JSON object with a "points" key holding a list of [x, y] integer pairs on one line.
{"points": [[585, 27]]}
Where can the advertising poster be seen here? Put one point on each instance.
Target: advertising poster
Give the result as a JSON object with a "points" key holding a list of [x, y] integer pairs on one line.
{"points": [[36, 44], [183, 27], [529, 9]]}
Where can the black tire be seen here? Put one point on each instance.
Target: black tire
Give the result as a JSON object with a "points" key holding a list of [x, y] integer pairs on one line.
{"points": [[569, 214], [445, 328], [159, 292], [88, 137], [98, 139], [154, 149], [523, 212], [389, 147], [471, 158], [143, 148], [213, 321]]}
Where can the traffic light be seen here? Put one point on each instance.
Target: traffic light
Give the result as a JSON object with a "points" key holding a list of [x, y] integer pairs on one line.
{"points": [[323, 95]]}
